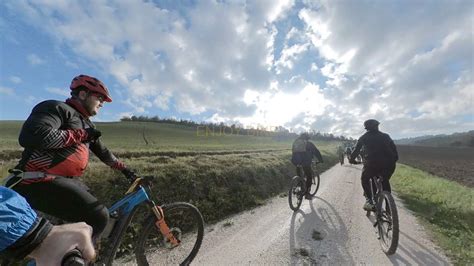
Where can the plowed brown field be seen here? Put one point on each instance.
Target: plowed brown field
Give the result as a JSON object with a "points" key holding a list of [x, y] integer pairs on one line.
{"points": [[452, 163]]}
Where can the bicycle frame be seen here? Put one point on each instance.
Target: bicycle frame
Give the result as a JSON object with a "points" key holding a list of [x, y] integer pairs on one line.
{"points": [[378, 187], [124, 209], [130, 201], [300, 169]]}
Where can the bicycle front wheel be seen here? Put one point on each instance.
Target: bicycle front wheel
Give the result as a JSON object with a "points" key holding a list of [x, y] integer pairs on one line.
{"points": [[296, 193], [388, 228], [314, 185], [187, 225]]}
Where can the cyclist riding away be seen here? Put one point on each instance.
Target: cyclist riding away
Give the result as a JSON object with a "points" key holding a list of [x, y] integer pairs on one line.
{"points": [[380, 158], [348, 152], [57, 137], [340, 153], [25, 234], [303, 151]]}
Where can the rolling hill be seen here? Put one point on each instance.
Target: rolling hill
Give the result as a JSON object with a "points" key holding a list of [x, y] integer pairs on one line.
{"points": [[463, 139]]}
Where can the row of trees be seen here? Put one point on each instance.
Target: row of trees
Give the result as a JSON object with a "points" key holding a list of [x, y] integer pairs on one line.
{"points": [[221, 129]]}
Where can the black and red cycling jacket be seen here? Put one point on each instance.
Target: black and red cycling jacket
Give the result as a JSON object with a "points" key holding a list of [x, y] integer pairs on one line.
{"points": [[54, 140]]}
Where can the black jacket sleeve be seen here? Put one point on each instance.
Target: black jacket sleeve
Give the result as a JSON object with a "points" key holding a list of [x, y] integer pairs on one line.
{"points": [[393, 148], [315, 152], [99, 149], [357, 148], [43, 128]]}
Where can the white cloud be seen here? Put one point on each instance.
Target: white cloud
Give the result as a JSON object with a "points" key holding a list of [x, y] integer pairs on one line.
{"points": [[6, 91], [59, 91], [15, 79], [255, 62], [34, 59], [289, 55], [390, 68]]}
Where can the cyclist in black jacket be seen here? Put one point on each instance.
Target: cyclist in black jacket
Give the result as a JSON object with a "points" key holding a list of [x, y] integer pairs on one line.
{"points": [[303, 151], [57, 137], [380, 157]]}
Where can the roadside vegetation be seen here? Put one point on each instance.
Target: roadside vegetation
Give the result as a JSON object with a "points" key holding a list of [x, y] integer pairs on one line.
{"points": [[220, 174], [445, 207]]}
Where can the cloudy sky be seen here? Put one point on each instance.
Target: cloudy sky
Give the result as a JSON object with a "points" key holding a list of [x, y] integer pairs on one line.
{"points": [[322, 65]]}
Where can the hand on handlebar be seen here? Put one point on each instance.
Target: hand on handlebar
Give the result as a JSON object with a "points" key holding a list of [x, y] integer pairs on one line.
{"points": [[73, 258], [129, 174], [61, 241]]}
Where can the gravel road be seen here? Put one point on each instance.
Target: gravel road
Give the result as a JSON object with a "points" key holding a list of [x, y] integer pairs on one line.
{"points": [[330, 229]]}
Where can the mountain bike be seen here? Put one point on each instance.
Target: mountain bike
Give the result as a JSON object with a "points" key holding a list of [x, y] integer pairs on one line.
{"points": [[173, 232], [298, 187], [386, 216]]}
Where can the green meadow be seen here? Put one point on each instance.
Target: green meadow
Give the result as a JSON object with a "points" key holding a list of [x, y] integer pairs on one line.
{"points": [[219, 171], [445, 208]]}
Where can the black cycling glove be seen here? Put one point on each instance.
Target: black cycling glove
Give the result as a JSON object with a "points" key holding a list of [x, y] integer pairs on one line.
{"points": [[129, 174]]}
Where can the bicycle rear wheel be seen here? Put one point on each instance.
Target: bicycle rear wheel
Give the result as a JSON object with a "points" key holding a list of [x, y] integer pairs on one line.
{"points": [[314, 185], [296, 193], [388, 227], [187, 225]]}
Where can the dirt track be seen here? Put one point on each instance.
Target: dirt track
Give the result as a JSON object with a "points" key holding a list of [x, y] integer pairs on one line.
{"points": [[330, 229]]}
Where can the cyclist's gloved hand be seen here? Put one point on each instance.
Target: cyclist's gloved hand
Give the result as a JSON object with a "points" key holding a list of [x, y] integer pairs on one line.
{"points": [[129, 174], [92, 134]]}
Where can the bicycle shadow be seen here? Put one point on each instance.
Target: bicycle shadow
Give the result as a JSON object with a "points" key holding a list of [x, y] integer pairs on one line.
{"points": [[418, 253], [312, 236]]}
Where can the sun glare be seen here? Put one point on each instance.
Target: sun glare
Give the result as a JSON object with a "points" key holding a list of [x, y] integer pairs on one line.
{"points": [[279, 108]]}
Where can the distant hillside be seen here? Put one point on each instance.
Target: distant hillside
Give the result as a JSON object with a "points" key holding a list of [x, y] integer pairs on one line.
{"points": [[464, 139]]}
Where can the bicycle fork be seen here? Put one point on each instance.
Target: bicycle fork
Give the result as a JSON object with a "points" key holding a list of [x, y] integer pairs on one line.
{"points": [[162, 226]]}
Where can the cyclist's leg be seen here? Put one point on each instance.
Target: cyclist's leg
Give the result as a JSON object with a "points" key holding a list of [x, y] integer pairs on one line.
{"points": [[298, 171], [387, 174], [66, 199], [367, 173], [308, 171]]}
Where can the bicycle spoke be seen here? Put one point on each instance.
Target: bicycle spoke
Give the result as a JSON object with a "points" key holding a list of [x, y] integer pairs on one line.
{"points": [[387, 219]]}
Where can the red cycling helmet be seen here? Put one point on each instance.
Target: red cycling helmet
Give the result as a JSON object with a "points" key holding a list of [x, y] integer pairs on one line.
{"points": [[92, 84]]}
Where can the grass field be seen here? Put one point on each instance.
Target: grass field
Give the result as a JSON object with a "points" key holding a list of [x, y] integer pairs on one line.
{"points": [[445, 207], [225, 174], [220, 174], [123, 136]]}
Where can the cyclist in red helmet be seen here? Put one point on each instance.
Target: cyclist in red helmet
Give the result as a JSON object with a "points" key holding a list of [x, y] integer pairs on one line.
{"points": [[57, 137]]}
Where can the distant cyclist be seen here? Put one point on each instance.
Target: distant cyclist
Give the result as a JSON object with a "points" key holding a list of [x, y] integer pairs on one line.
{"points": [[25, 234], [303, 151], [340, 153], [348, 152], [380, 158], [57, 137]]}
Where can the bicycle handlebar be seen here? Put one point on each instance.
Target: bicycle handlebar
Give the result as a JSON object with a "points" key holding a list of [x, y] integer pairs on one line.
{"points": [[73, 258]]}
